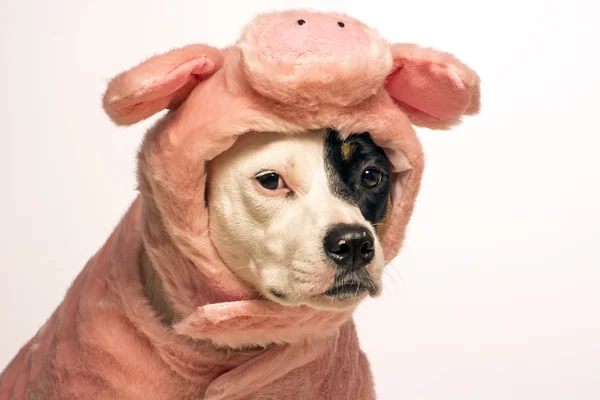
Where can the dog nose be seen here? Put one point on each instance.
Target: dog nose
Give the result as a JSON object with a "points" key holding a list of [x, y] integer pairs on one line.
{"points": [[349, 246]]}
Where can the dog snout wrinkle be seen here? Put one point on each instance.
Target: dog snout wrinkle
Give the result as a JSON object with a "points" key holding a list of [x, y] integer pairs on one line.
{"points": [[351, 247]]}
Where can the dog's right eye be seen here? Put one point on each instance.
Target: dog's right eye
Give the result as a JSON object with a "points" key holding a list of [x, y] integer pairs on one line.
{"points": [[271, 181]]}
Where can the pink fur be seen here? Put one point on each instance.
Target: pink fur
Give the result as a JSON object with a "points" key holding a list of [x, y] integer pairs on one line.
{"points": [[434, 89], [315, 63], [105, 341], [159, 83]]}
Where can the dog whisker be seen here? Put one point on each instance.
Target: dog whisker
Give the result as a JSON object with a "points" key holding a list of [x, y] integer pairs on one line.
{"points": [[240, 268], [296, 279], [301, 271], [357, 289], [396, 268]]}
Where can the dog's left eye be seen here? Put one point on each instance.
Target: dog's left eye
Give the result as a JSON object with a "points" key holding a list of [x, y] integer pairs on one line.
{"points": [[271, 181], [371, 178]]}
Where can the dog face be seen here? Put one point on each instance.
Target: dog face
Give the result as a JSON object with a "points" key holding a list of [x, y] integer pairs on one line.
{"points": [[297, 216]]}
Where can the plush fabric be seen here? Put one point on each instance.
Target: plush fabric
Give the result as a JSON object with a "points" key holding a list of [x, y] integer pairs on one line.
{"points": [[433, 88], [105, 342]]}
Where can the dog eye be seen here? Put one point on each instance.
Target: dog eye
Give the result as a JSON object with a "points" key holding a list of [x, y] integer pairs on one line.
{"points": [[271, 181], [371, 178]]}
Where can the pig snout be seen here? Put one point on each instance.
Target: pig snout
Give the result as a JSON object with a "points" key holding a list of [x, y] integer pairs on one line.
{"points": [[314, 36]]}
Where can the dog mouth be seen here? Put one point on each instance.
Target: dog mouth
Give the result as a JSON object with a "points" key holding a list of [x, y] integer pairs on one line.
{"points": [[347, 287], [352, 288]]}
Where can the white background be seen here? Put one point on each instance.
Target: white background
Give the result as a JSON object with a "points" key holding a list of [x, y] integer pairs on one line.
{"points": [[496, 293]]}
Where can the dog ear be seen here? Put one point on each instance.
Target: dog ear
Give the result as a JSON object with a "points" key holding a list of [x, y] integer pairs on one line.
{"points": [[434, 88], [162, 81]]}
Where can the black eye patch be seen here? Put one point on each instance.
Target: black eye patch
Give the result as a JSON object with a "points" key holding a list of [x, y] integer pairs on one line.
{"points": [[358, 172]]}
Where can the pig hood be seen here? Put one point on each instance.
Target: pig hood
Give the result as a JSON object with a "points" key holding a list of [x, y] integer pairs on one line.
{"points": [[289, 72]]}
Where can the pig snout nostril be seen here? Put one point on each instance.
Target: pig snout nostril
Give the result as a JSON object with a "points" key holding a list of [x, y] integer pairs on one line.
{"points": [[301, 22], [341, 24]]}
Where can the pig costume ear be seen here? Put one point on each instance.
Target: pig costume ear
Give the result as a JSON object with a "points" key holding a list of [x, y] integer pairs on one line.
{"points": [[160, 82], [433, 88]]}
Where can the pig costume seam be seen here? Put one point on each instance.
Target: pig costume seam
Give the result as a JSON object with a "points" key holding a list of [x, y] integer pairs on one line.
{"points": [[104, 341]]}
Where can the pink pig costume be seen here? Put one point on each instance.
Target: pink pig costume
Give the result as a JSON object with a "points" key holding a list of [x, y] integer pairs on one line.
{"points": [[289, 72]]}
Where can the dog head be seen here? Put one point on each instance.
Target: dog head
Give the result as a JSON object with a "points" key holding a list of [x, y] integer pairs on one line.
{"points": [[298, 216], [292, 215]]}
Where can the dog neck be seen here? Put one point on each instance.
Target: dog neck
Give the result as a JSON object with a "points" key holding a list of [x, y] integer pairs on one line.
{"points": [[161, 304], [154, 291]]}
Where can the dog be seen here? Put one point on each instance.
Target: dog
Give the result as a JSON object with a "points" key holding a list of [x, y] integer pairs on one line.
{"points": [[272, 193]]}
